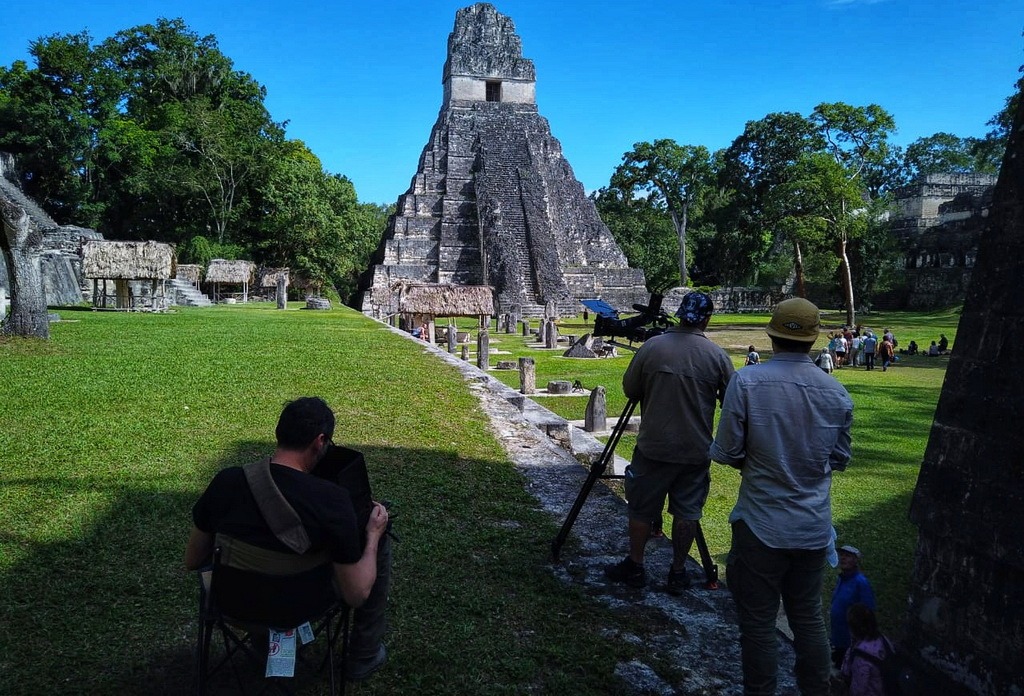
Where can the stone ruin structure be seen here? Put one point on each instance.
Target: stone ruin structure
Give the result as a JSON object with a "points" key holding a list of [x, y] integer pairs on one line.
{"points": [[966, 613], [938, 224], [59, 253], [493, 201]]}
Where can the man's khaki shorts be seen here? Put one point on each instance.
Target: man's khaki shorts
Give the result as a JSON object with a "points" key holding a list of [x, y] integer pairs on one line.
{"points": [[649, 481]]}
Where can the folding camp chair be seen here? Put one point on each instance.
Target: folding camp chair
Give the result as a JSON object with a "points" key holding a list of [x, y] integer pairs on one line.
{"points": [[251, 590]]}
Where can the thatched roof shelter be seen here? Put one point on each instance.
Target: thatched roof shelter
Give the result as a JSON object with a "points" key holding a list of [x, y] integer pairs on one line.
{"points": [[223, 271], [268, 277], [128, 260], [444, 300], [192, 272]]}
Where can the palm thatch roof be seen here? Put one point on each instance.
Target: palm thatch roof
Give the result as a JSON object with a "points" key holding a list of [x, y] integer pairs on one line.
{"points": [[222, 271], [269, 276], [192, 272], [128, 260], [301, 282], [444, 300]]}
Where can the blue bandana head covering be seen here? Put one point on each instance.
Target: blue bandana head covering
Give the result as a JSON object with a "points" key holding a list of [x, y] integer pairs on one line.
{"points": [[695, 308]]}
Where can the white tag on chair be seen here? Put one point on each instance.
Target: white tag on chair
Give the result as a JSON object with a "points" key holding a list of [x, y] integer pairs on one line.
{"points": [[306, 633], [281, 654]]}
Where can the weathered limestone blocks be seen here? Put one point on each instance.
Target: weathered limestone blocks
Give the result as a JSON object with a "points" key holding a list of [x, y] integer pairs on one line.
{"points": [[596, 418], [559, 386], [494, 202], [527, 376], [550, 334]]}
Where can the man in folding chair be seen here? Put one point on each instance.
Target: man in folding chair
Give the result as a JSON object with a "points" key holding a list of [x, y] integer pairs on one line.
{"points": [[329, 521]]}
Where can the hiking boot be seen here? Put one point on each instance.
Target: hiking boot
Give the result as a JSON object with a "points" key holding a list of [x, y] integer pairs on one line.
{"points": [[678, 582], [628, 572], [359, 669]]}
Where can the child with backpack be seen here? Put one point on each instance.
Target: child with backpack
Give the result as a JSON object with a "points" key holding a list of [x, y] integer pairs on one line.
{"points": [[869, 665]]}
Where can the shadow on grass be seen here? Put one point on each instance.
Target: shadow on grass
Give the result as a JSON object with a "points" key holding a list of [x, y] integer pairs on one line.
{"points": [[887, 541], [114, 611]]}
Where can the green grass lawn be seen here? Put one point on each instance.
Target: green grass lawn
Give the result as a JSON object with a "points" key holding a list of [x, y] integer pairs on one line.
{"points": [[111, 430]]}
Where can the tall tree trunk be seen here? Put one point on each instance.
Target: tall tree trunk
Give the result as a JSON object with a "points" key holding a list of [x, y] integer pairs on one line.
{"points": [[846, 279], [798, 269], [679, 221], [19, 246]]}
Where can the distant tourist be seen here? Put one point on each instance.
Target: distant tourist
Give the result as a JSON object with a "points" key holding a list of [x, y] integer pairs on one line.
{"points": [[943, 344], [851, 588], [868, 346], [841, 346], [933, 350], [752, 357], [855, 357], [824, 361], [887, 353], [786, 427], [678, 377], [912, 348]]}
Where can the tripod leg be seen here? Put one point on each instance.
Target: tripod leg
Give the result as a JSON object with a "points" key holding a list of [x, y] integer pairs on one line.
{"points": [[710, 568], [597, 470]]}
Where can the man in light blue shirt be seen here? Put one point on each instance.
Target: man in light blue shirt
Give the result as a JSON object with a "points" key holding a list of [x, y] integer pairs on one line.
{"points": [[785, 425]]}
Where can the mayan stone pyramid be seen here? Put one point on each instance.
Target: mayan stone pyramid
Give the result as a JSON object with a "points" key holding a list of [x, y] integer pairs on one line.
{"points": [[493, 201]]}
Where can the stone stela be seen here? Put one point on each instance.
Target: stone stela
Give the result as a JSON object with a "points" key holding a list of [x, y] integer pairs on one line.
{"points": [[483, 349], [527, 376]]}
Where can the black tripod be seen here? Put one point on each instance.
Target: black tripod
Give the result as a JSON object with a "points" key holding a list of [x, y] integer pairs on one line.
{"points": [[597, 471]]}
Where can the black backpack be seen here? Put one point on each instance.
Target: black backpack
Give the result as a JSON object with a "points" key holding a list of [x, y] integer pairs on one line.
{"points": [[888, 665]]}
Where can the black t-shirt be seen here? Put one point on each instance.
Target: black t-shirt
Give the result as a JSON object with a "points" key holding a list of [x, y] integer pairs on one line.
{"points": [[228, 507]]}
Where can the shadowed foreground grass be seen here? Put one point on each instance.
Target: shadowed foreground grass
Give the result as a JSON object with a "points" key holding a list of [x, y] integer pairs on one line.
{"points": [[112, 429]]}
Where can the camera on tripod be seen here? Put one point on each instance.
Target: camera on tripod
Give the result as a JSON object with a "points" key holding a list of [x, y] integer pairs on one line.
{"points": [[651, 321]]}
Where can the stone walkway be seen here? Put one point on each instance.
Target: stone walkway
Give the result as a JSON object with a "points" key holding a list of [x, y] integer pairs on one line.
{"points": [[695, 634]]}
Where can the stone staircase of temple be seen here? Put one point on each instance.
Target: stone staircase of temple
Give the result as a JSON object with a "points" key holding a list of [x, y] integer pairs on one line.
{"points": [[184, 293]]}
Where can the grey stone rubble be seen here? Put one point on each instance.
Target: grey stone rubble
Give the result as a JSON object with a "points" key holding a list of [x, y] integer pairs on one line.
{"points": [[695, 633], [559, 386], [60, 262], [493, 200]]}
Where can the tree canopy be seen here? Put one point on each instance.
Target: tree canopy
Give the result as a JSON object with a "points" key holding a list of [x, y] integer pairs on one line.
{"points": [[154, 134], [673, 177]]}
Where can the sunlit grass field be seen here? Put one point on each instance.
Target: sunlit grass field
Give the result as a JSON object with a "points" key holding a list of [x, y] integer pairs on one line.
{"points": [[111, 430]]}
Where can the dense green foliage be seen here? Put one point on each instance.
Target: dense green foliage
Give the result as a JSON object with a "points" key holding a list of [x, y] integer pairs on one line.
{"points": [[789, 185], [795, 201], [153, 134]]}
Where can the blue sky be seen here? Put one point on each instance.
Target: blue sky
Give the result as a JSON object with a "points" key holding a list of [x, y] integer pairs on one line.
{"points": [[360, 83]]}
